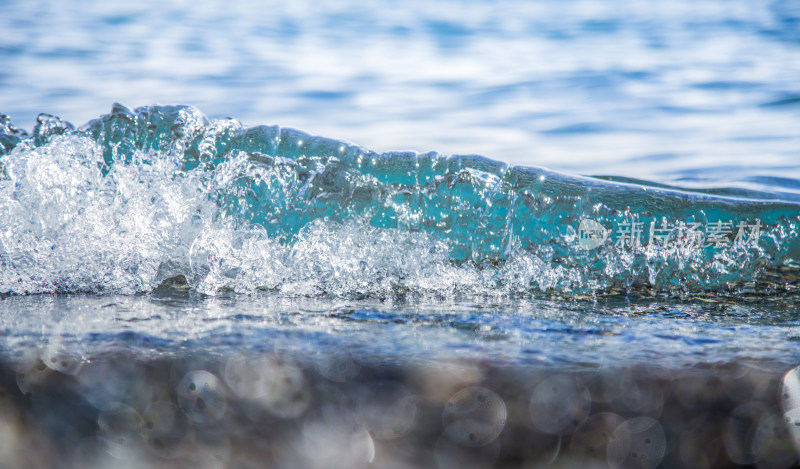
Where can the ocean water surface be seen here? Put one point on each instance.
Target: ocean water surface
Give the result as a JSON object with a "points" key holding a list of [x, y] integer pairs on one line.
{"points": [[566, 234]]}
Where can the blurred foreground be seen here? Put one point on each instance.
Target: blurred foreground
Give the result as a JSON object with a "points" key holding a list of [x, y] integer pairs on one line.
{"points": [[201, 410]]}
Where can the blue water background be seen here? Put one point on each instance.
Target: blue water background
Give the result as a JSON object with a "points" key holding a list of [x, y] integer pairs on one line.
{"points": [[702, 94], [697, 92]]}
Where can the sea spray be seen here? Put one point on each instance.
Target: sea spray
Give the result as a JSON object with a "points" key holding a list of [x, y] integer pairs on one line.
{"points": [[137, 197]]}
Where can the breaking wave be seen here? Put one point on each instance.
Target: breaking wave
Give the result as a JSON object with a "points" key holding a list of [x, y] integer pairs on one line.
{"points": [[162, 196]]}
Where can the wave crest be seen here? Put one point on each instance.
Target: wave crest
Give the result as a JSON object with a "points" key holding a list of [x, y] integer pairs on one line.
{"points": [[137, 197]]}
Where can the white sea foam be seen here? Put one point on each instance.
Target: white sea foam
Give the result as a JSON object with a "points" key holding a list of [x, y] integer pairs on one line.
{"points": [[67, 227]]}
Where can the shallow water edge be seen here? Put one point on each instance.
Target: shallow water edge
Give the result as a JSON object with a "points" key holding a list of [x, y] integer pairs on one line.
{"points": [[175, 380]]}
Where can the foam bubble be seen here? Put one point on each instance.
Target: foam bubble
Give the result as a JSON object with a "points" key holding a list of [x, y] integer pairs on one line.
{"points": [[790, 402], [792, 421], [31, 379], [639, 442], [474, 416], [790, 390], [770, 446], [275, 384], [202, 398], [62, 359]]}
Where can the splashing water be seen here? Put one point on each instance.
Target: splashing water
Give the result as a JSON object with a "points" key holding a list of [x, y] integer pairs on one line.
{"points": [[162, 195]]}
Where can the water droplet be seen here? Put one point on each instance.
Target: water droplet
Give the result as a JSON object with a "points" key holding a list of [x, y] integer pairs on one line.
{"points": [[769, 443], [276, 384], [60, 358], [641, 439], [204, 404], [469, 422], [791, 388]]}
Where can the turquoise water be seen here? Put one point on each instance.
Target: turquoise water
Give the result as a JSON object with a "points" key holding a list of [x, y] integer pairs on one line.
{"points": [[613, 198], [140, 197], [162, 200], [157, 264]]}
